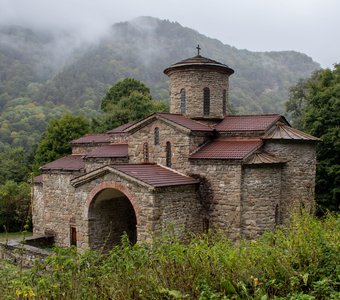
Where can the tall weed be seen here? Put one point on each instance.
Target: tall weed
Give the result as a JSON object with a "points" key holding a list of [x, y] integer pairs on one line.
{"points": [[299, 261]]}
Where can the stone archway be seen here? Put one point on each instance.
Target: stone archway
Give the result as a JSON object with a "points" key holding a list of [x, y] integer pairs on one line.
{"points": [[111, 213]]}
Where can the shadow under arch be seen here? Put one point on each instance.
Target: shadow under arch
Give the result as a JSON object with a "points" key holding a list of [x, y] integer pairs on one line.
{"points": [[111, 211]]}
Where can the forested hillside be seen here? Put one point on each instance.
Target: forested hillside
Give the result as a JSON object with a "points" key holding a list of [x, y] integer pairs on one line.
{"points": [[46, 74]]}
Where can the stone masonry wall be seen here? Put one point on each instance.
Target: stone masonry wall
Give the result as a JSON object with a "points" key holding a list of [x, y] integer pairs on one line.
{"points": [[157, 153], [140, 197], [261, 193], [95, 163], [59, 206], [298, 174], [179, 209], [182, 144], [82, 150], [194, 81], [38, 208], [220, 191]]}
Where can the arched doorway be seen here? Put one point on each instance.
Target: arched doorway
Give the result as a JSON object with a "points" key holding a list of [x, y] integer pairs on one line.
{"points": [[110, 215]]}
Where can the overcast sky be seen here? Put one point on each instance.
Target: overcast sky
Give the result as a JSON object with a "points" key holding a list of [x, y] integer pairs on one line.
{"points": [[308, 26]]}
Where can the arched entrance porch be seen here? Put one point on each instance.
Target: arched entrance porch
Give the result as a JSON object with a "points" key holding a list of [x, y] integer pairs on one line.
{"points": [[111, 213]]}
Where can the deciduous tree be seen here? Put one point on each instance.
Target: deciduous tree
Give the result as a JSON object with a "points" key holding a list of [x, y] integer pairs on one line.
{"points": [[55, 140], [317, 109]]}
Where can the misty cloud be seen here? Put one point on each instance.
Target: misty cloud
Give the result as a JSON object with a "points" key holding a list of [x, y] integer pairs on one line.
{"points": [[308, 26]]}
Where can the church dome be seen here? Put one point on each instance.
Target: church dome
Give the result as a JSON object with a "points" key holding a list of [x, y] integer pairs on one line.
{"points": [[199, 87]]}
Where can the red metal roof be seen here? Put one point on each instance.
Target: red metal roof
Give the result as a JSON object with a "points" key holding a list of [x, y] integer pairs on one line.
{"points": [[284, 132], [114, 150], [247, 123], [121, 128], [155, 175], [100, 138], [185, 122], [67, 163], [227, 149], [38, 179]]}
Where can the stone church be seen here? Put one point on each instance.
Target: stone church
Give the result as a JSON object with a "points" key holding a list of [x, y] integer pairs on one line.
{"points": [[195, 168]]}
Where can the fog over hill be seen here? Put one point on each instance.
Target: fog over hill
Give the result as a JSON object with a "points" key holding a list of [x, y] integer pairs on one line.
{"points": [[49, 68]]}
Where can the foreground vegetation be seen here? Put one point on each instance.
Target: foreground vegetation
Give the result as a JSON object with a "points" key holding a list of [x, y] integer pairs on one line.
{"points": [[297, 262]]}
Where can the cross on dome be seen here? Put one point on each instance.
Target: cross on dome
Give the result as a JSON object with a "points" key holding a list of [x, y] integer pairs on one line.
{"points": [[198, 49]]}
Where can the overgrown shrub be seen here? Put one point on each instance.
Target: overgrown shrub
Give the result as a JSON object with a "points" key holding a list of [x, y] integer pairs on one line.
{"points": [[300, 261]]}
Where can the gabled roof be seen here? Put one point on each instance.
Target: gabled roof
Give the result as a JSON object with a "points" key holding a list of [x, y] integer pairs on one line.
{"points": [[100, 138], [248, 122], [230, 148], [177, 119], [155, 175], [121, 128], [66, 163], [149, 175], [113, 150], [283, 132], [185, 122]]}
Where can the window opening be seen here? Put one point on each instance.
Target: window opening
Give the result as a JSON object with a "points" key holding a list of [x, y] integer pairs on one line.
{"points": [[206, 101], [156, 134], [224, 103], [146, 152], [73, 236], [168, 154], [277, 216], [183, 101]]}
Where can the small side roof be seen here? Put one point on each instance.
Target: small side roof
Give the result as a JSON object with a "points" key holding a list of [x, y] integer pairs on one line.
{"points": [[262, 157], [100, 138], [249, 122], [66, 163], [107, 151], [38, 179], [230, 148], [283, 132]]}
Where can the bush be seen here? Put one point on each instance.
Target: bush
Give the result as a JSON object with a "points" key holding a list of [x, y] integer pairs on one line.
{"points": [[300, 261]]}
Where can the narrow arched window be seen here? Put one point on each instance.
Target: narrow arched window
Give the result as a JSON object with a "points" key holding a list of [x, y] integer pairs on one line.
{"points": [[277, 215], [146, 152], [206, 101], [183, 101], [224, 101], [168, 154], [156, 136]]}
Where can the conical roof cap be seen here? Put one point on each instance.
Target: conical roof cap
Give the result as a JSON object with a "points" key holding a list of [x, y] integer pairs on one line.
{"points": [[199, 61]]}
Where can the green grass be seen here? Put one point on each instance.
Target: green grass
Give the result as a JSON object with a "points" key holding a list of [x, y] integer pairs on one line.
{"points": [[299, 262], [13, 235]]}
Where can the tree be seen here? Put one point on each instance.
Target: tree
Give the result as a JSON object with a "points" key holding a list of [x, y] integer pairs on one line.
{"points": [[123, 105], [123, 89], [320, 116], [14, 165], [55, 140], [14, 205], [297, 103]]}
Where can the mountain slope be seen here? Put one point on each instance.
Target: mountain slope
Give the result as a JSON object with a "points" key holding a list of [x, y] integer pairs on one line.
{"points": [[145, 46], [44, 74]]}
